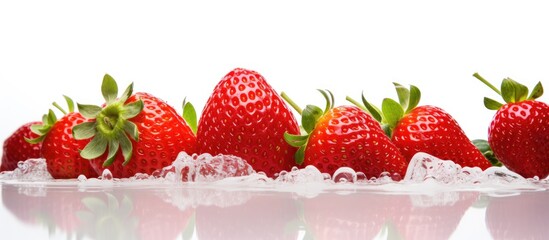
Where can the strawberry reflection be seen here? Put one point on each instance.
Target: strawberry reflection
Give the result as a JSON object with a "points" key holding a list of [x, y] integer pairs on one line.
{"points": [[127, 214], [524, 216], [260, 216], [371, 215], [165, 213]]}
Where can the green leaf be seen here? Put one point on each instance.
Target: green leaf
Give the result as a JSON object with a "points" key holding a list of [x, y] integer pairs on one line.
{"points": [[415, 96], [376, 114], [483, 146], [310, 116], [127, 148], [403, 94], [95, 148], [37, 129], [84, 130], [512, 91], [109, 89], [113, 148], [387, 130], [189, 114], [35, 140], [51, 118], [70, 103], [45, 118], [89, 111], [536, 92], [127, 94], [131, 129], [492, 104], [295, 140], [132, 109], [300, 155], [328, 100], [392, 111]]}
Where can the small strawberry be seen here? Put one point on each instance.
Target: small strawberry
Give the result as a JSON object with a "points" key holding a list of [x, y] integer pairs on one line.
{"points": [[245, 117], [426, 129], [59, 148], [519, 130], [17, 149], [344, 136], [148, 131]]}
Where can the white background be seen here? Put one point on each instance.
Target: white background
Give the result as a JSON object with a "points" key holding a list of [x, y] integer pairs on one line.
{"points": [[176, 50]]}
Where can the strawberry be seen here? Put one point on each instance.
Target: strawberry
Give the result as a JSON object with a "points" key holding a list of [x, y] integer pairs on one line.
{"points": [[344, 136], [59, 147], [427, 129], [148, 131], [519, 130], [17, 149], [245, 117]]}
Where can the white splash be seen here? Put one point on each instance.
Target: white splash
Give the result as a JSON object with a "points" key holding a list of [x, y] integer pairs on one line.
{"points": [[30, 170], [424, 173]]}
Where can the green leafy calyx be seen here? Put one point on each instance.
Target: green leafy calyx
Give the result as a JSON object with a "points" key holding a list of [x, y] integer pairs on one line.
{"points": [[511, 91], [391, 111], [110, 128], [48, 120], [309, 118]]}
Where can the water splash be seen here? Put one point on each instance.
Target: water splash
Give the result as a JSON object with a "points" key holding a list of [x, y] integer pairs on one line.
{"points": [[29, 170], [424, 172]]}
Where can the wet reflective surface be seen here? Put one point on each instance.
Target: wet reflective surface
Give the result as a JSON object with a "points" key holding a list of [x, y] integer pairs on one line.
{"points": [[204, 211]]}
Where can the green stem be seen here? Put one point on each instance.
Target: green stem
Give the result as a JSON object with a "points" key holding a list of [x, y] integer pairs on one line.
{"points": [[60, 108], [356, 103], [291, 102], [476, 75]]}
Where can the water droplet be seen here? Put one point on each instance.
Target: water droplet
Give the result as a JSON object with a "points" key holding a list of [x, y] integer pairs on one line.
{"points": [[345, 174], [107, 175]]}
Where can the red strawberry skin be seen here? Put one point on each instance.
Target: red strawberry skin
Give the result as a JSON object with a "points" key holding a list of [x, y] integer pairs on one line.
{"points": [[432, 130], [518, 135], [163, 133], [17, 149], [62, 151], [346, 136], [245, 117]]}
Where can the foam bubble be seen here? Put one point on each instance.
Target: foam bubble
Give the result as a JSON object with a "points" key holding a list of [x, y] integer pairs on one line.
{"points": [[424, 173]]}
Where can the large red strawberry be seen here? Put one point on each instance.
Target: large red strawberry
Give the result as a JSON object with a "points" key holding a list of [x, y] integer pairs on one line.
{"points": [[17, 149], [245, 117], [519, 131], [345, 136], [59, 147], [148, 131], [426, 129]]}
